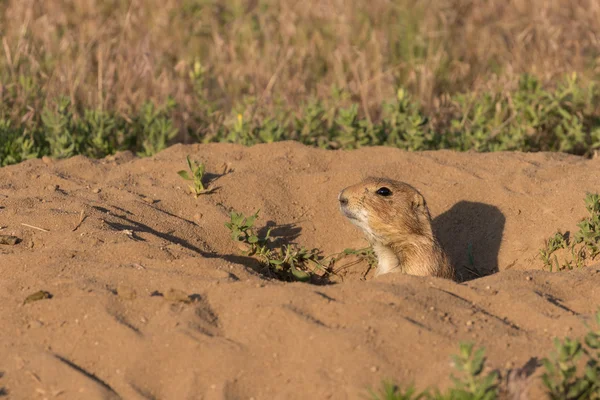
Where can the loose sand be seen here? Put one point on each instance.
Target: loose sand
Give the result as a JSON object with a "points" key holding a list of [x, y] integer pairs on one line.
{"points": [[114, 327]]}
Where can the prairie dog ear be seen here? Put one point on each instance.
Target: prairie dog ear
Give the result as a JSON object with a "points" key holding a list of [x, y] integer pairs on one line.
{"points": [[418, 202]]}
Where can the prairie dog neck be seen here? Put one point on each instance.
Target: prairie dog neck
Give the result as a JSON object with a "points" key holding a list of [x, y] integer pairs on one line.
{"points": [[415, 256]]}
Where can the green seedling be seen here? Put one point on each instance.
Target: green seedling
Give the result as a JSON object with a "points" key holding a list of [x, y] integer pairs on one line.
{"points": [[197, 171]]}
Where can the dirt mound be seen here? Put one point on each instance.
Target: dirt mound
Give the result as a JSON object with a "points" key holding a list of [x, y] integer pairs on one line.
{"points": [[152, 299]]}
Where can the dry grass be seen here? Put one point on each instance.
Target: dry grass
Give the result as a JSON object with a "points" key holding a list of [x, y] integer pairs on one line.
{"points": [[115, 55]]}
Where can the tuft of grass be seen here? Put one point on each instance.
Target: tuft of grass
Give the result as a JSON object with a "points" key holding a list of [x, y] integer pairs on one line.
{"points": [[584, 246], [197, 175]]}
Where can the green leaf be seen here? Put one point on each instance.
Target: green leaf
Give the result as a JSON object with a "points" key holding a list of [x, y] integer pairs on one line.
{"points": [[300, 275], [591, 373], [250, 221], [184, 175], [592, 339]]}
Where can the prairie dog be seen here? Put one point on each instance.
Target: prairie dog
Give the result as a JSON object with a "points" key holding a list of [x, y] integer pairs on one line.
{"points": [[396, 221]]}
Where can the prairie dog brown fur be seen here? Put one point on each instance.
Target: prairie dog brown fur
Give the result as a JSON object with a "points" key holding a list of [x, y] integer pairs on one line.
{"points": [[396, 221]]}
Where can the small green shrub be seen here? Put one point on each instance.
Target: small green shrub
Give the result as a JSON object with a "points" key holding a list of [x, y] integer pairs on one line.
{"points": [[531, 117], [61, 133], [571, 372], [15, 144], [153, 128], [390, 391], [562, 377], [471, 384], [288, 262], [585, 244]]}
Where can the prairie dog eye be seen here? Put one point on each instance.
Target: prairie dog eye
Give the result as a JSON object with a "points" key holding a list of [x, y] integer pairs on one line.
{"points": [[383, 191]]}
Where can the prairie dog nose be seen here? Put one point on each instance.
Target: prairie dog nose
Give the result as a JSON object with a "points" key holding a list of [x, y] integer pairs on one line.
{"points": [[342, 199]]}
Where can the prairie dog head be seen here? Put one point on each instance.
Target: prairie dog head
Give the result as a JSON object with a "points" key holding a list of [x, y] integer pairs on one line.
{"points": [[386, 210]]}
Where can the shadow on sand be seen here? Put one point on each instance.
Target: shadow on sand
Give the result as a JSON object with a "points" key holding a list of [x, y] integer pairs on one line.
{"points": [[471, 234]]}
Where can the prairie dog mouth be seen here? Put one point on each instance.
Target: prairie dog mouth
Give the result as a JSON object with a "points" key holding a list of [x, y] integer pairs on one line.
{"points": [[347, 213]]}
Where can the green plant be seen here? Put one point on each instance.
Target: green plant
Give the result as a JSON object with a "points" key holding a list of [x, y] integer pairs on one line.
{"points": [[366, 254], [530, 117], [589, 228], [562, 378], [552, 244], [153, 128], [197, 171], [585, 244], [287, 262], [472, 383], [390, 391]]}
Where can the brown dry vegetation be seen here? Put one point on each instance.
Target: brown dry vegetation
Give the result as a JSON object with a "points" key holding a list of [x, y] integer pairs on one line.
{"points": [[116, 55]]}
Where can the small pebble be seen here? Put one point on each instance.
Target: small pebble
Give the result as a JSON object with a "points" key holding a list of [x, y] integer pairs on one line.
{"points": [[469, 323], [96, 190], [529, 278]]}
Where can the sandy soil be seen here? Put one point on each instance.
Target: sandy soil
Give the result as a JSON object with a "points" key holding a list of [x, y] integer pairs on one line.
{"points": [[113, 328]]}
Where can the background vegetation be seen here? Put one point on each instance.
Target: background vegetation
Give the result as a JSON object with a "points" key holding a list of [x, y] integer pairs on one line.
{"points": [[93, 77]]}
